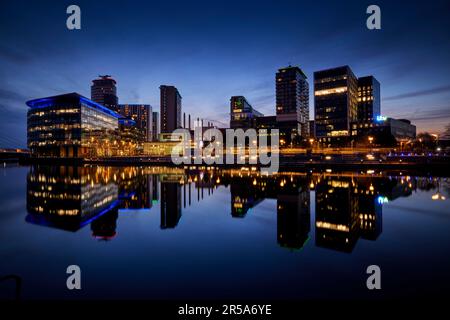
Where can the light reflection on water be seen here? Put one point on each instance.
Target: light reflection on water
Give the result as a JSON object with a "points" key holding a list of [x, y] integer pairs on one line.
{"points": [[158, 232]]}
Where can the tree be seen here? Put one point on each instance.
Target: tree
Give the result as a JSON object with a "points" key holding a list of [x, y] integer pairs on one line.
{"points": [[446, 134], [426, 141]]}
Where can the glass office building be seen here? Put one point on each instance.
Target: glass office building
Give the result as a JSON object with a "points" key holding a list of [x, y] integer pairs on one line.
{"points": [[71, 126], [335, 102], [369, 99], [242, 113]]}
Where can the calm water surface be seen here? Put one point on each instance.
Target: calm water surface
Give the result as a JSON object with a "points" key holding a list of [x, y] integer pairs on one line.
{"points": [[165, 233]]}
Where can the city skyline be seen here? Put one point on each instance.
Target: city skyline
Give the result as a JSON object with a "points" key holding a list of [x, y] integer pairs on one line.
{"points": [[224, 158], [414, 82]]}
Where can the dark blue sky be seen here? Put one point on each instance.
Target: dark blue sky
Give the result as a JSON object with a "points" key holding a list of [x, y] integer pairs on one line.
{"points": [[212, 50]]}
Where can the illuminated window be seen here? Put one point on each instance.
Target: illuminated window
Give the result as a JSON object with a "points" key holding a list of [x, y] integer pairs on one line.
{"points": [[331, 91]]}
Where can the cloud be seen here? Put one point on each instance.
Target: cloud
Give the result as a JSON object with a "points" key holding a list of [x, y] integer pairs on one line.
{"points": [[264, 103], [427, 113], [263, 85], [12, 127], [12, 108], [418, 93], [13, 55], [265, 99], [8, 95], [134, 94]]}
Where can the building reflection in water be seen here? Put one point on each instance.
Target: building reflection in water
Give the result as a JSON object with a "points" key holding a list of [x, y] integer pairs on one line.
{"points": [[104, 227], [170, 203], [348, 206], [136, 189], [293, 218], [293, 203], [69, 197], [244, 196], [336, 214]]}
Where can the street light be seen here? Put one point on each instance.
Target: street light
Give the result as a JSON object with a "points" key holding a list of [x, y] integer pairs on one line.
{"points": [[370, 142], [311, 142]]}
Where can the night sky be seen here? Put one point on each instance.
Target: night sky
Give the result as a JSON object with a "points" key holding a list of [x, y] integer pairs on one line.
{"points": [[211, 50]]}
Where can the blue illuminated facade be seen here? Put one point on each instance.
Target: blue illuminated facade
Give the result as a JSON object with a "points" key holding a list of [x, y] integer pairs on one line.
{"points": [[71, 126]]}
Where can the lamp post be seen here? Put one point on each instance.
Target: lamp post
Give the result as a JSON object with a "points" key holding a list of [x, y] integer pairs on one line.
{"points": [[370, 143], [311, 142]]}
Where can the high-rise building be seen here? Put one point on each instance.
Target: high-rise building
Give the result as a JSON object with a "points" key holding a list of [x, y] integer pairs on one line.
{"points": [[170, 109], [312, 129], [242, 113], [142, 114], [292, 103], [104, 91], [369, 104], [335, 102], [155, 126]]}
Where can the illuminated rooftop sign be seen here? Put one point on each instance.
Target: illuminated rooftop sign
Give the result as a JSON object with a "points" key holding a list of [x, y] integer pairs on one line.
{"points": [[382, 200]]}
